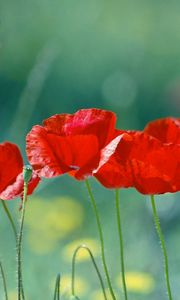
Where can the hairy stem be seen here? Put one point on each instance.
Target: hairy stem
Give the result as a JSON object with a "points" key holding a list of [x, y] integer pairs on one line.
{"points": [[57, 288], [4, 281], [10, 218], [162, 242], [121, 243], [95, 266], [101, 238], [13, 228], [19, 245]]}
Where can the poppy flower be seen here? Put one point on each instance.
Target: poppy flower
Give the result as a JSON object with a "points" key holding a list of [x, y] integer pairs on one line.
{"points": [[11, 173], [166, 130], [143, 162], [71, 143]]}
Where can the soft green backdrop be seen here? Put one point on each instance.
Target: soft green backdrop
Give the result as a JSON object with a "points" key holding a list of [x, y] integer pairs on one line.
{"points": [[62, 55]]}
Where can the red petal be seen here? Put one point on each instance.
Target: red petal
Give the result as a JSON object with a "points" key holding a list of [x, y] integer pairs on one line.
{"points": [[52, 155], [143, 162], [166, 130], [35, 179], [115, 173], [16, 188], [11, 164], [109, 150], [100, 123], [98, 161]]}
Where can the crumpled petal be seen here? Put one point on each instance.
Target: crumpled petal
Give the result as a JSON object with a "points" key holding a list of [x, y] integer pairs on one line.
{"points": [[166, 130], [52, 155], [143, 162], [108, 151], [11, 164], [98, 122], [15, 189], [101, 159], [70, 143]]}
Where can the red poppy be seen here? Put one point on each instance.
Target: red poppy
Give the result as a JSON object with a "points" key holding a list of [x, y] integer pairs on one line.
{"points": [[71, 143], [166, 130], [143, 162], [11, 173]]}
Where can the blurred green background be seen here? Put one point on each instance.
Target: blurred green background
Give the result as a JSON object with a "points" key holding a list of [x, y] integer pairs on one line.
{"points": [[62, 55]]}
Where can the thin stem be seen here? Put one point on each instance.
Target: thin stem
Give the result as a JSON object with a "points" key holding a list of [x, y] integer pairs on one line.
{"points": [[13, 228], [19, 246], [57, 288], [4, 281], [101, 237], [10, 218], [162, 242], [95, 266], [121, 243]]}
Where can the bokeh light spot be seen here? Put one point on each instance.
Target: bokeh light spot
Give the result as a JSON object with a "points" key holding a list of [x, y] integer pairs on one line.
{"points": [[48, 222], [119, 89], [81, 286], [12, 295], [138, 282], [98, 295], [82, 255]]}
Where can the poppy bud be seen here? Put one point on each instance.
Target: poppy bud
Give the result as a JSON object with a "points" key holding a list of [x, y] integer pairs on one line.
{"points": [[27, 173]]}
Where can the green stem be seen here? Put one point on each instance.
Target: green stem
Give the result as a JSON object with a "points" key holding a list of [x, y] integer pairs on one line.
{"points": [[121, 243], [101, 237], [13, 228], [19, 245], [57, 288], [10, 218], [95, 266], [4, 281], [162, 242]]}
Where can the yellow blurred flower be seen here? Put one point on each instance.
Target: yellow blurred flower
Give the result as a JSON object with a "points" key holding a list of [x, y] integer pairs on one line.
{"points": [[82, 254], [12, 295], [98, 295], [81, 286], [49, 221], [40, 243], [139, 282]]}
